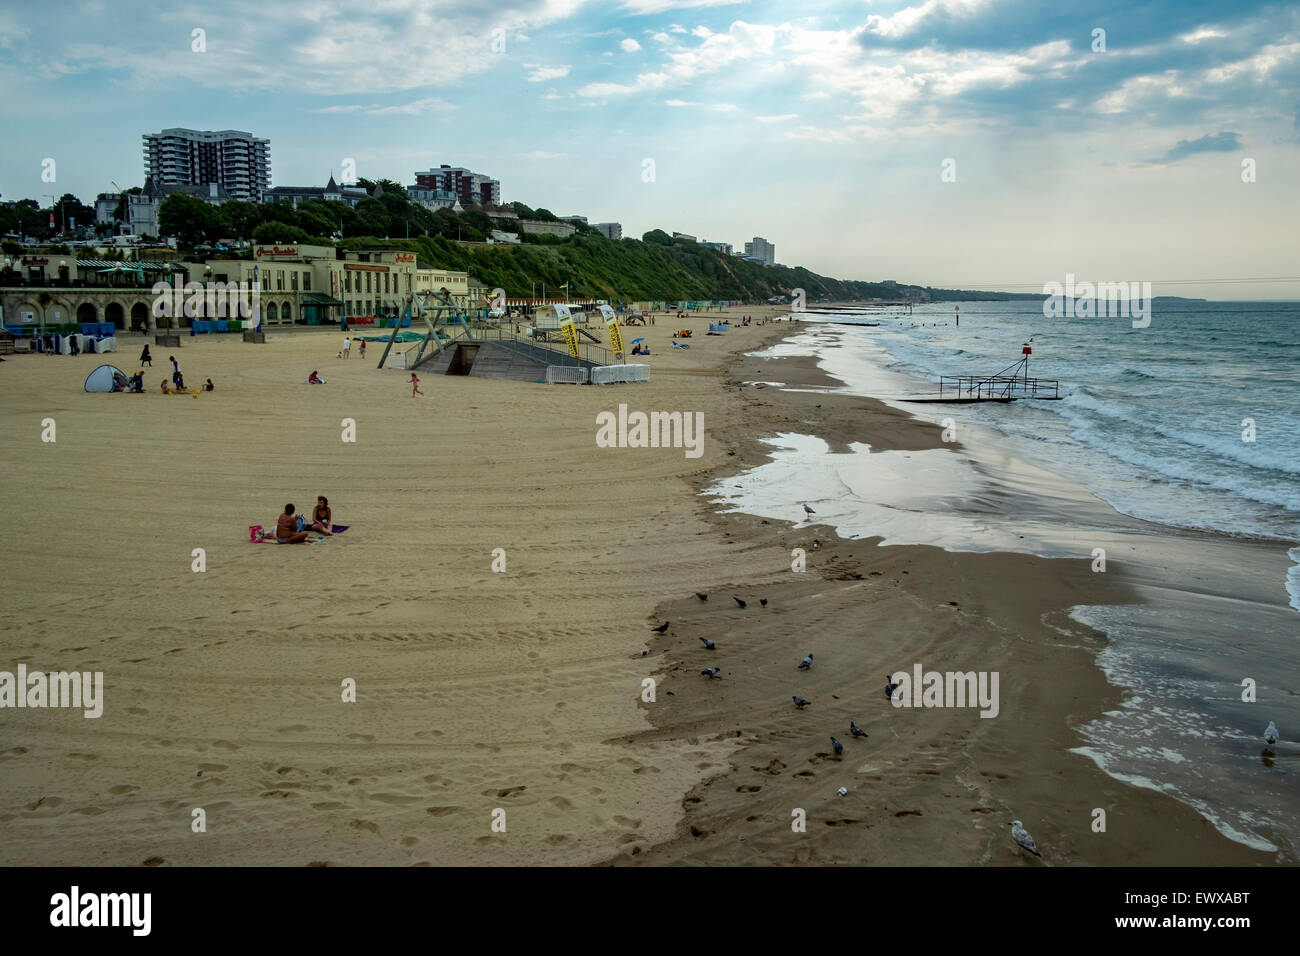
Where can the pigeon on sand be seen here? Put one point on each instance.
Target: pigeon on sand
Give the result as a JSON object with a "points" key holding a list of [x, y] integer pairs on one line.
{"points": [[662, 627], [711, 672], [702, 597], [856, 731], [805, 663], [890, 686], [738, 600], [708, 643], [838, 747], [800, 702]]}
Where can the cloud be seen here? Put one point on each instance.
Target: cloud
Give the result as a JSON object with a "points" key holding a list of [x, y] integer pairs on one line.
{"points": [[782, 118], [630, 46], [429, 104], [644, 7], [715, 52], [541, 74], [1209, 143]]}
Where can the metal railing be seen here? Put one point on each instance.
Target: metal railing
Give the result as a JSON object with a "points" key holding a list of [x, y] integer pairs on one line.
{"points": [[553, 353], [997, 387]]}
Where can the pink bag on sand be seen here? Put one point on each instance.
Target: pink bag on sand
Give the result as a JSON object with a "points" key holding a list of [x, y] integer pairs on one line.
{"points": [[253, 531]]}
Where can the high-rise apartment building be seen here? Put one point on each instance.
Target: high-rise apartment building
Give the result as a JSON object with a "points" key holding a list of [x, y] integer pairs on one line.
{"points": [[238, 162], [469, 187], [760, 248], [610, 230]]}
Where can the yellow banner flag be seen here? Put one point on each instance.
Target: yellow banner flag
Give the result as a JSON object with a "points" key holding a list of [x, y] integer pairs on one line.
{"points": [[615, 337], [570, 336]]}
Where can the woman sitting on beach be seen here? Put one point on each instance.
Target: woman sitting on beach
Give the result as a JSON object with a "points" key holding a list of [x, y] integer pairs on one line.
{"points": [[286, 528], [166, 390], [321, 518], [315, 379]]}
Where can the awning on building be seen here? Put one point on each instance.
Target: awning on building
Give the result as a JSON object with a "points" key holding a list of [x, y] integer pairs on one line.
{"points": [[317, 298]]}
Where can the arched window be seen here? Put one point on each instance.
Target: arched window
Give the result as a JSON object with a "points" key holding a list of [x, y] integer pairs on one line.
{"points": [[271, 314], [286, 312]]}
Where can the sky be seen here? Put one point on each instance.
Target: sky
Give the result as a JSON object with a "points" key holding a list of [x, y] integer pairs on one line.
{"points": [[953, 143]]}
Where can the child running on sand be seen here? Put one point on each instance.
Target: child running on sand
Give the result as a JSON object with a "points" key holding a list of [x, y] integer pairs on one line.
{"points": [[415, 386]]}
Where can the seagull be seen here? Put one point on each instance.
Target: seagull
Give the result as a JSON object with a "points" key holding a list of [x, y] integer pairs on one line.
{"points": [[1022, 838], [805, 663], [702, 597], [856, 731], [890, 686], [763, 601], [661, 628], [801, 703], [738, 600], [838, 747], [708, 643], [711, 672], [1271, 734], [808, 510]]}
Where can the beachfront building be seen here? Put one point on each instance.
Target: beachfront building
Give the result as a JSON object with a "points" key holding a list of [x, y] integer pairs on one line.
{"points": [[683, 235], [762, 250], [722, 247], [330, 192], [431, 279], [610, 230], [238, 162], [500, 235], [469, 187]]}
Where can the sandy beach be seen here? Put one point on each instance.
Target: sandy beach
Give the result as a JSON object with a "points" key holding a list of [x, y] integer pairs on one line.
{"points": [[519, 691]]}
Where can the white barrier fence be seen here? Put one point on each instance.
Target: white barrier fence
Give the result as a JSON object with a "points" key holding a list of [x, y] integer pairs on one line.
{"points": [[609, 374], [567, 374]]}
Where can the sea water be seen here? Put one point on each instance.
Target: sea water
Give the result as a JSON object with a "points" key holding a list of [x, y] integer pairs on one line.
{"points": [[1193, 422]]}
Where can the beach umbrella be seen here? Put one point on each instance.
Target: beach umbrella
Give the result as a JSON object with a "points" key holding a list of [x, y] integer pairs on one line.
{"points": [[635, 341]]}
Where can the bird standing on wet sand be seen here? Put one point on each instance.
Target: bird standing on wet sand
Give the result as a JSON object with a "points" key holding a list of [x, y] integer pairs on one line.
{"points": [[711, 672], [1022, 838], [890, 686], [838, 747], [662, 627], [702, 597], [805, 663], [800, 702], [856, 731], [808, 510], [738, 600], [1271, 734], [708, 643], [763, 601]]}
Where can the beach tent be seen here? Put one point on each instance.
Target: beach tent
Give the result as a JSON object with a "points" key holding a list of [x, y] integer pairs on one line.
{"points": [[101, 379]]}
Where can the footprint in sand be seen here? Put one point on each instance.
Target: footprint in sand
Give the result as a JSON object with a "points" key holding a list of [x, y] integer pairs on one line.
{"points": [[441, 811], [45, 803], [560, 803], [122, 788], [328, 805], [154, 861], [228, 745], [395, 798], [753, 788], [507, 792], [364, 825], [15, 751]]}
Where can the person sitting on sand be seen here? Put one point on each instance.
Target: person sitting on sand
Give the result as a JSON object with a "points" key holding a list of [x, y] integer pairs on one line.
{"points": [[315, 379], [322, 518], [166, 390], [209, 386], [286, 528]]}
